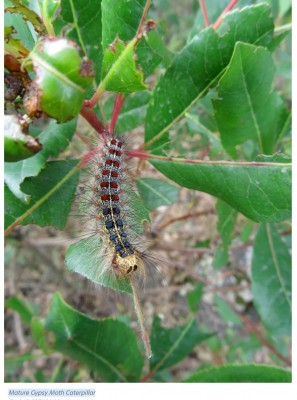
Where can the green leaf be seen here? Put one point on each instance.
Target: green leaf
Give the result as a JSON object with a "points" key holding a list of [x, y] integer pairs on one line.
{"points": [[89, 259], [12, 45], [199, 65], [61, 77], [155, 192], [246, 108], [23, 31], [51, 197], [194, 297], [108, 347], [54, 139], [271, 280], [119, 71], [246, 231], [169, 346], [226, 221], [121, 19], [261, 193], [38, 334], [28, 15], [22, 307], [17, 146], [242, 373], [132, 112], [226, 312], [85, 17]]}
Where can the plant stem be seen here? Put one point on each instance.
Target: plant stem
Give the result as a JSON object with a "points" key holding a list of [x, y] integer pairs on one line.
{"points": [[144, 155], [144, 14], [204, 13], [90, 116], [227, 9], [119, 101], [140, 318]]}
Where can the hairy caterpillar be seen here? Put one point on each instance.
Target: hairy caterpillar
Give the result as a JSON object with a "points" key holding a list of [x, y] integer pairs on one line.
{"points": [[115, 250], [114, 255]]}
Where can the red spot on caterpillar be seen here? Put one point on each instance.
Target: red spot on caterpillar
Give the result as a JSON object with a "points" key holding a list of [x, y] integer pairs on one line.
{"points": [[113, 185], [105, 197], [116, 164], [104, 184], [114, 174], [113, 141], [105, 172], [108, 162], [120, 144], [118, 153], [111, 151], [114, 197]]}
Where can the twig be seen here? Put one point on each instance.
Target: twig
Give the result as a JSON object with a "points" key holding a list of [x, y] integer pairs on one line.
{"points": [[204, 13], [253, 329], [140, 318], [227, 9], [144, 14], [183, 217]]}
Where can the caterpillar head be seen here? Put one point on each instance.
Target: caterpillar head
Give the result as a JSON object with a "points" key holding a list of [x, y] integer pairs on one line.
{"points": [[129, 264]]}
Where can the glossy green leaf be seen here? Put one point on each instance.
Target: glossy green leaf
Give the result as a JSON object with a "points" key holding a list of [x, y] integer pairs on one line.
{"points": [[51, 198], [155, 192], [132, 113], [194, 297], [108, 347], [200, 64], [246, 108], [226, 311], [119, 71], [272, 280], [17, 146], [22, 307], [169, 346], [85, 17], [54, 139], [61, 77], [88, 258], [226, 221], [28, 15], [261, 193], [242, 373]]}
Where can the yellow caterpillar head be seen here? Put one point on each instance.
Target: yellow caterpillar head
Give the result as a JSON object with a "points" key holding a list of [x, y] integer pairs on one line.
{"points": [[129, 264]]}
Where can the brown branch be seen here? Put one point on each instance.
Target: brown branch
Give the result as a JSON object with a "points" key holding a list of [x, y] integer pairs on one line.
{"points": [[183, 217], [250, 326], [142, 21]]}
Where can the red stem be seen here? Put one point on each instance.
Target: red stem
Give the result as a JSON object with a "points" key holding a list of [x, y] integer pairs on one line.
{"points": [[227, 9], [119, 101], [92, 119], [204, 13]]}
